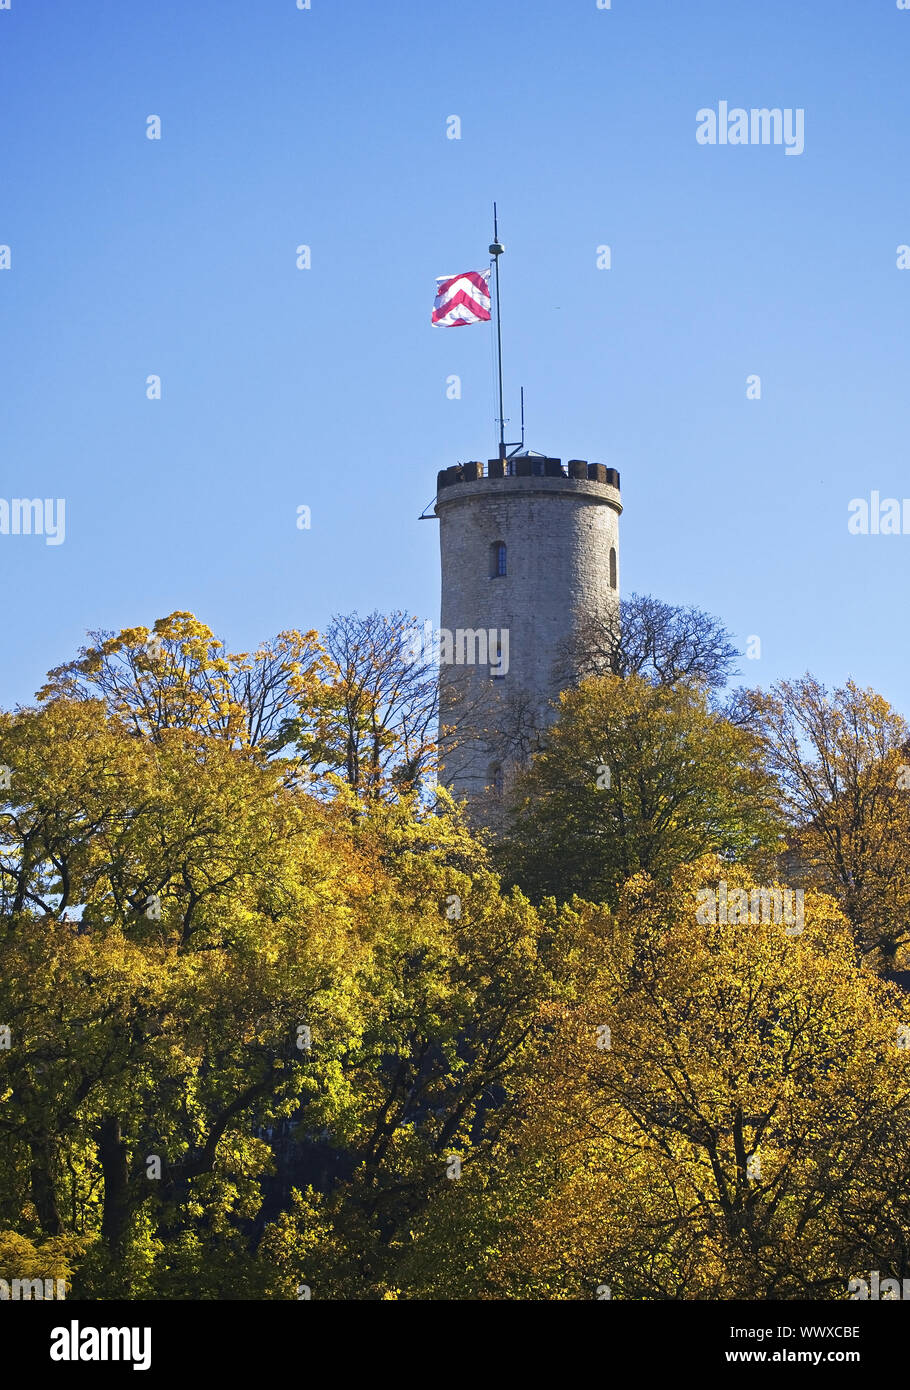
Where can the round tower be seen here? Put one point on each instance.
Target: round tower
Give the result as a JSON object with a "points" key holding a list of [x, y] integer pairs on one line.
{"points": [[528, 548]]}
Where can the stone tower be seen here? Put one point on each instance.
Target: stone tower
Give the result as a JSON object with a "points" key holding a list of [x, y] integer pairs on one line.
{"points": [[528, 549]]}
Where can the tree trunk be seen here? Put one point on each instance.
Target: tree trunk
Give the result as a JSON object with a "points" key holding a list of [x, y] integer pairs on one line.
{"points": [[43, 1187], [113, 1155]]}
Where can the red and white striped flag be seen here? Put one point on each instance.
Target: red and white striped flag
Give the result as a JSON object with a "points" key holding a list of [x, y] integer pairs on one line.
{"points": [[462, 299]]}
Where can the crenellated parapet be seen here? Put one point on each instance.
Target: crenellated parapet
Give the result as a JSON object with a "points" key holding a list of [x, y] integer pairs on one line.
{"points": [[528, 466]]}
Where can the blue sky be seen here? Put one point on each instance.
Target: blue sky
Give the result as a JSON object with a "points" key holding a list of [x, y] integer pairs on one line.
{"points": [[327, 387]]}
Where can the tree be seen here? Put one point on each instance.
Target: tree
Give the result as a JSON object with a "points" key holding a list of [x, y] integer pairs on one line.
{"points": [[724, 1112], [457, 1016], [660, 642], [174, 916], [357, 703], [635, 777], [194, 948], [268, 1016], [177, 675], [842, 762], [376, 726]]}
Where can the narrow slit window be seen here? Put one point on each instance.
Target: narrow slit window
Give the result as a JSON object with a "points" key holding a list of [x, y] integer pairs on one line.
{"points": [[612, 566], [498, 562]]}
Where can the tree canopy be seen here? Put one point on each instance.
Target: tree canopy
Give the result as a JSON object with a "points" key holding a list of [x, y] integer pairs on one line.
{"points": [[274, 1017], [635, 776]]}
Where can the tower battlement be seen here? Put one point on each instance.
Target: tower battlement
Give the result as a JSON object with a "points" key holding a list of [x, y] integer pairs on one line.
{"points": [[528, 466]]}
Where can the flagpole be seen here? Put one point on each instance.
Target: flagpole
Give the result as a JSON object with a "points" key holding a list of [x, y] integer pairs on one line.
{"points": [[496, 251]]}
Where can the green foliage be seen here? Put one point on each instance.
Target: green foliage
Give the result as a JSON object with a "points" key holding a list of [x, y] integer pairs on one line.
{"points": [[271, 1026], [636, 777]]}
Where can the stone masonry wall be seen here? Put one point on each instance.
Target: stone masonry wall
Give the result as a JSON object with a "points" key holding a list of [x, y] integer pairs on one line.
{"points": [[558, 532]]}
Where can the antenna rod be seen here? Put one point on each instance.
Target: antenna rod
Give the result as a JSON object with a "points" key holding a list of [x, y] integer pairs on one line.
{"points": [[496, 251], [522, 417]]}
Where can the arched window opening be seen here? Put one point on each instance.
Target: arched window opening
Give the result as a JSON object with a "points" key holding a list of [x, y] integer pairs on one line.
{"points": [[498, 560], [612, 566]]}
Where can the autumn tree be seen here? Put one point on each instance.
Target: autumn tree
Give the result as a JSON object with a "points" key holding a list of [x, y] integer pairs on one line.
{"points": [[178, 675], [269, 1017], [376, 725], [195, 950], [635, 776], [842, 762], [357, 703], [723, 1112], [173, 919]]}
